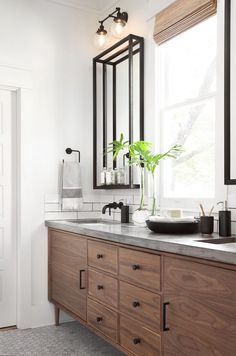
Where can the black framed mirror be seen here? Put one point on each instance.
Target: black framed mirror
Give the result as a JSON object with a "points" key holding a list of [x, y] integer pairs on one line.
{"points": [[229, 88], [118, 107]]}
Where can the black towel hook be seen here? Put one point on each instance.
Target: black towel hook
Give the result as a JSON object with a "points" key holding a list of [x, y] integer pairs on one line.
{"points": [[69, 151]]}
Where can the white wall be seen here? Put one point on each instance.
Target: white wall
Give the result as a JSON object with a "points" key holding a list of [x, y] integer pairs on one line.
{"points": [[55, 43]]}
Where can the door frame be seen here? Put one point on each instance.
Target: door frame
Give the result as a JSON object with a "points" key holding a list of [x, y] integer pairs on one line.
{"points": [[19, 79]]}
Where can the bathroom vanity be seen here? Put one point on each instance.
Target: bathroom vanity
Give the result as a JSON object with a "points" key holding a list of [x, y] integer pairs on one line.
{"points": [[123, 284]]}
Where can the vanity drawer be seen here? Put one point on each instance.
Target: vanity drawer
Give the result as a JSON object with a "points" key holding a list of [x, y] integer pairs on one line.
{"points": [[103, 319], [139, 340], [103, 256], [103, 288], [140, 268], [140, 304]]}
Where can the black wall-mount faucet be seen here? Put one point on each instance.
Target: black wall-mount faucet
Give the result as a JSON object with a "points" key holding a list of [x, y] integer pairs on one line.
{"points": [[110, 206]]}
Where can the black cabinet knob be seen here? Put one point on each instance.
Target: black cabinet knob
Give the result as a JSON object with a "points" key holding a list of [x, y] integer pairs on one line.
{"points": [[136, 340], [99, 255], [99, 319], [135, 267], [99, 287], [136, 304]]}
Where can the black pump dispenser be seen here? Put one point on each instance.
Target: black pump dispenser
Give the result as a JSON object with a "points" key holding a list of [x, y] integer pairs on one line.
{"points": [[125, 214], [224, 221]]}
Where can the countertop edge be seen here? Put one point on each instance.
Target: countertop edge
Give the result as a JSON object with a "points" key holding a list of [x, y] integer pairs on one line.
{"points": [[201, 252]]}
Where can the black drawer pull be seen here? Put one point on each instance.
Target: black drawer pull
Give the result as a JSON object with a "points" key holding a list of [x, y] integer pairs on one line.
{"points": [[136, 340], [99, 255], [99, 319], [136, 304], [165, 328], [135, 267], [80, 279], [99, 287]]}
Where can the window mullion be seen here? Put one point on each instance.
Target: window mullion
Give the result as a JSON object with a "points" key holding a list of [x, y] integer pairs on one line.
{"points": [[188, 102]]}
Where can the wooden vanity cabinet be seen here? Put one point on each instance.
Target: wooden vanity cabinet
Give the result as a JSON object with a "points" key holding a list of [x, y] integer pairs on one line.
{"points": [[145, 303], [201, 314]]}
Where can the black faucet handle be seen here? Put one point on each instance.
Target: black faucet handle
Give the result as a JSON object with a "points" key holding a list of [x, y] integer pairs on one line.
{"points": [[120, 204], [110, 206]]}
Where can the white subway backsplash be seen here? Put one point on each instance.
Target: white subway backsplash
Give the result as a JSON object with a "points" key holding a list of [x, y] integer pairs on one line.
{"points": [[90, 214], [97, 207], [128, 199], [87, 207], [106, 216], [92, 208], [52, 198], [52, 207], [60, 215], [233, 214]]}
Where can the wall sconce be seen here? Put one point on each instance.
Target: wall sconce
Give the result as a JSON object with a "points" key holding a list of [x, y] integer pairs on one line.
{"points": [[118, 27]]}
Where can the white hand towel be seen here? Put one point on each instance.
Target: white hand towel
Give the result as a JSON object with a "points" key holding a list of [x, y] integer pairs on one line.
{"points": [[72, 197]]}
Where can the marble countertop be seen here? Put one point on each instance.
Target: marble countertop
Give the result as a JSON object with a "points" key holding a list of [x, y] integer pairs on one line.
{"points": [[129, 234]]}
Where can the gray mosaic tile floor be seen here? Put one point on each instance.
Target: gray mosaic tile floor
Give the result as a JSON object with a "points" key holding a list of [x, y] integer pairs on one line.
{"points": [[69, 339]]}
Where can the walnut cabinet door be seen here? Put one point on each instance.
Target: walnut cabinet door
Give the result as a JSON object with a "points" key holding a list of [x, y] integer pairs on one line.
{"points": [[199, 310], [68, 271]]}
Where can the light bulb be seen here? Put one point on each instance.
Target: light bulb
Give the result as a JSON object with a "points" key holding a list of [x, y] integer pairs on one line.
{"points": [[101, 41], [118, 28]]}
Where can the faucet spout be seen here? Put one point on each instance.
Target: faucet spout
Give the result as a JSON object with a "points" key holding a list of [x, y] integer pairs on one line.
{"points": [[105, 208], [110, 206]]}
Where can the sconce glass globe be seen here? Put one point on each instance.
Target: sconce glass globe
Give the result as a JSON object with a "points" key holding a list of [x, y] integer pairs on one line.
{"points": [[101, 38], [119, 28]]}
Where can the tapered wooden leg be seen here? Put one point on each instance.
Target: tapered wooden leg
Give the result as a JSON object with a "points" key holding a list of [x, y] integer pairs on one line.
{"points": [[57, 315]]}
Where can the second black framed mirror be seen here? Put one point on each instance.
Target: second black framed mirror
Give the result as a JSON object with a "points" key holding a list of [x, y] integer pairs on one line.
{"points": [[118, 107], [229, 89]]}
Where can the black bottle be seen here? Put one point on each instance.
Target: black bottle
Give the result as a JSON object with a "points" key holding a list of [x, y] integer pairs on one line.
{"points": [[125, 214], [225, 221]]}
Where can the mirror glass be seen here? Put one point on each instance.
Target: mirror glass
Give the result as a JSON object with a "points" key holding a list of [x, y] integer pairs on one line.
{"points": [[118, 108], [229, 89], [233, 90]]}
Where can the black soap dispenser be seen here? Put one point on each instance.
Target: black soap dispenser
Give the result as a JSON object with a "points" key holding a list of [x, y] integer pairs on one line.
{"points": [[125, 213], [224, 220]]}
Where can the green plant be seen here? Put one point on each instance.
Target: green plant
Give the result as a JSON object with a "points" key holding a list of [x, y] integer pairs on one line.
{"points": [[140, 154], [116, 147], [152, 161]]}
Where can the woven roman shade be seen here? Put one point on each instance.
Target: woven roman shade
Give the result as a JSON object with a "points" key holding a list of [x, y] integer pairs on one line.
{"points": [[180, 16]]}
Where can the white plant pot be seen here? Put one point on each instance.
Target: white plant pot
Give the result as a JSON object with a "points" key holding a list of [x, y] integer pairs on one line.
{"points": [[140, 217]]}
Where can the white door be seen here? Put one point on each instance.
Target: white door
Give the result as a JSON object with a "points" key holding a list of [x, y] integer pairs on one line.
{"points": [[7, 208]]}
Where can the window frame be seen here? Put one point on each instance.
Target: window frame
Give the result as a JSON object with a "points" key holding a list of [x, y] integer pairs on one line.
{"points": [[192, 204]]}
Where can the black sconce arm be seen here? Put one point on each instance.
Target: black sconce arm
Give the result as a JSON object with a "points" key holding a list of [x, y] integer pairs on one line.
{"points": [[124, 15]]}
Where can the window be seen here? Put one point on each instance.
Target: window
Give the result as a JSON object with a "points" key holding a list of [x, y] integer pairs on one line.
{"points": [[187, 92]]}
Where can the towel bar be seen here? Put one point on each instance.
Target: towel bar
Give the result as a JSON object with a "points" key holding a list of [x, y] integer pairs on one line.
{"points": [[69, 151]]}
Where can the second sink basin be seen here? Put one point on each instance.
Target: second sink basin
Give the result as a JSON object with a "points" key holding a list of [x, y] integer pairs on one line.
{"points": [[223, 240]]}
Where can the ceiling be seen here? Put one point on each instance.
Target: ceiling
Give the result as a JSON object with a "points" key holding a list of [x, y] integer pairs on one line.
{"points": [[92, 5]]}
